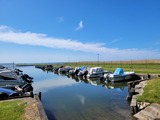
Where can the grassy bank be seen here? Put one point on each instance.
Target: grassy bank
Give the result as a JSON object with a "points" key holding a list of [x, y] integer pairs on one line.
{"points": [[151, 92], [151, 68], [138, 66], [11, 110]]}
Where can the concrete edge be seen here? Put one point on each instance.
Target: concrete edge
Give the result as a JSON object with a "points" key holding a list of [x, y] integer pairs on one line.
{"points": [[41, 112]]}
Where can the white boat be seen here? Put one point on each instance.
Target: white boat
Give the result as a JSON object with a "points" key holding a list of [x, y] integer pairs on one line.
{"points": [[11, 83], [95, 72], [9, 77], [9, 74], [120, 75]]}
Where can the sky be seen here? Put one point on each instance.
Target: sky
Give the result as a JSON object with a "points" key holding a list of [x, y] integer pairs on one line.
{"points": [[37, 31]]}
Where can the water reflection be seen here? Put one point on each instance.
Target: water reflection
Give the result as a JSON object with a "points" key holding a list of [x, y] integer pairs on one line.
{"points": [[43, 86], [72, 98], [99, 82], [81, 98]]}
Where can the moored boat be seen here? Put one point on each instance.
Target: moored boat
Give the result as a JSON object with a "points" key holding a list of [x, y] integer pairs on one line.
{"points": [[95, 72], [9, 77], [120, 75]]}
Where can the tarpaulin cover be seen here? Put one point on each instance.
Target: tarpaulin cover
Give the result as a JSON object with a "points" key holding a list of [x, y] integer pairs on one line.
{"points": [[119, 71], [7, 91]]}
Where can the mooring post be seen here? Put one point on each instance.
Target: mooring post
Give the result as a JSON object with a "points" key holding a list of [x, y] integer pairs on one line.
{"points": [[31, 94], [40, 95]]}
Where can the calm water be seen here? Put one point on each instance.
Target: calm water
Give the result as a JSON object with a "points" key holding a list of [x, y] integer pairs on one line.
{"points": [[64, 98]]}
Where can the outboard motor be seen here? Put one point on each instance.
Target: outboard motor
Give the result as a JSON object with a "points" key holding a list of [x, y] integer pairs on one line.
{"points": [[27, 78], [76, 71], [18, 71], [27, 88]]}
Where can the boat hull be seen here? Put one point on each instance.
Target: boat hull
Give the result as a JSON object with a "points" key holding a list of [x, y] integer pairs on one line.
{"points": [[118, 78], [8, 83]]}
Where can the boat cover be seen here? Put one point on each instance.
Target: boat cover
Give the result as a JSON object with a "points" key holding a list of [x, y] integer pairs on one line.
{"points": [[2, 67], [118, 71], [7, 91], [82, 68]]}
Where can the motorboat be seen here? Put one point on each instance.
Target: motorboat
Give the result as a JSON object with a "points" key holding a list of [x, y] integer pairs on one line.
{"points": [[74, 72], [9, 77], [57, 68], [7, 93], [83, 71], [9, 74], [11, 82], [15, 91], [1, 67], [95, 72], [120, 75], [64, 70]]}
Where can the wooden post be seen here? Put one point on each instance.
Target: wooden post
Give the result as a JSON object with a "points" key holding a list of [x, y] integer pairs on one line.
{"points": [[31, 94], [40, 94]]}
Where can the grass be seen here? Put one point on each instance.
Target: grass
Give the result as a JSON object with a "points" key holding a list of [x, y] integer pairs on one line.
{"points": [[151, 92], [11, 110], [151, 68]]}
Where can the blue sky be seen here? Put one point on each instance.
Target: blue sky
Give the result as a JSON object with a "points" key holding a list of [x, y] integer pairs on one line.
{"points": [[79, 30]]}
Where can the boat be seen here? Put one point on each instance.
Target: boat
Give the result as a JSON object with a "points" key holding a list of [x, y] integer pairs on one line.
{"points": [[120, 75], [64, 70], [7, 93], [83, 71], [11, 83], [95, 72], [9, 77], [9, 74], [1, 67], [22, 91], [74, 72]]}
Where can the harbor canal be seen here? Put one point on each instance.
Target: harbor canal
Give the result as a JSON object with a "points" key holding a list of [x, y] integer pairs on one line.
{"points": [[64, 98]]}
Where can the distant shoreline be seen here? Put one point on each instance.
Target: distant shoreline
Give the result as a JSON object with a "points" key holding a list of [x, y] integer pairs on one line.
{"points": [[100, 62]]}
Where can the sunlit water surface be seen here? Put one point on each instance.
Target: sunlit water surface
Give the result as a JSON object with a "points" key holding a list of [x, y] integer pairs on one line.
{"points": [[65, 98]]}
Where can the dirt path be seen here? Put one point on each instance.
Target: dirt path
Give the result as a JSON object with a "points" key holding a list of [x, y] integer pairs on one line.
{"points": [[31, 110]]}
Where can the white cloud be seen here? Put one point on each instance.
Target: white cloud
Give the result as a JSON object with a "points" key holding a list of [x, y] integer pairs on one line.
{"points": [[80, 26], [8, 35], [36, 39]]}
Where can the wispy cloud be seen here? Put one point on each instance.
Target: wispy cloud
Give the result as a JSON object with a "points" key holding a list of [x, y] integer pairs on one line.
{"points": [[115, 40], [37, 39], [80, 26]]}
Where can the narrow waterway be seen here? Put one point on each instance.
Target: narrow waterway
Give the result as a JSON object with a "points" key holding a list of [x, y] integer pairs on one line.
{"points": [[65, 98]]}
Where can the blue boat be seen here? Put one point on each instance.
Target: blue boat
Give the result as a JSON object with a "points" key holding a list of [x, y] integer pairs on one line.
{"points": [[7, 93], [120, 75]]}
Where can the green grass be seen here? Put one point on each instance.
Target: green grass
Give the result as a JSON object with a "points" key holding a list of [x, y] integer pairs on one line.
{"points": [[151, 92], [151, 68], [11, 110]]}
